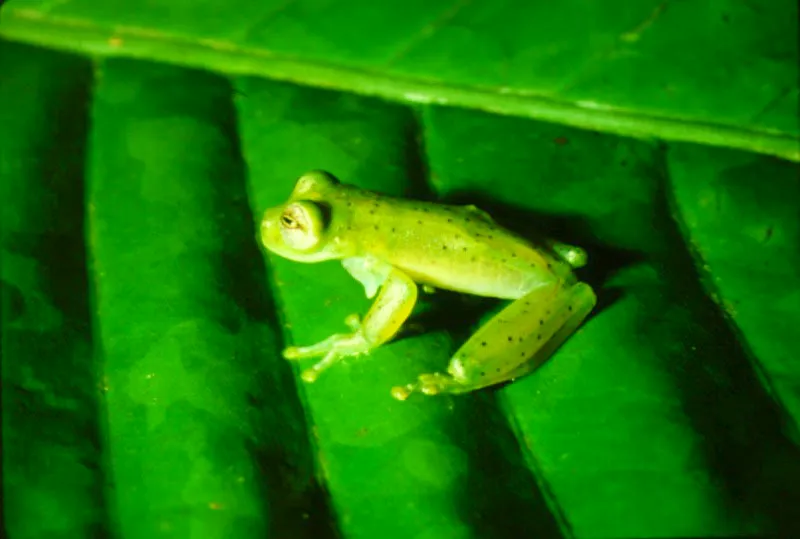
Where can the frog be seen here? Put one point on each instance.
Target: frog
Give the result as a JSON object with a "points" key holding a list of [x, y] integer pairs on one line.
{"points": [[394, 246]]}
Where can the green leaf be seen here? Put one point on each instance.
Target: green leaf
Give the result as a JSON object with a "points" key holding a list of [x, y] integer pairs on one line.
{"points": [[722, 73], [144, 393]]}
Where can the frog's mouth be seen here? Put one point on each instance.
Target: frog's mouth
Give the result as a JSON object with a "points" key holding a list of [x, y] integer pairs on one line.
{"points": [[271, 236]]}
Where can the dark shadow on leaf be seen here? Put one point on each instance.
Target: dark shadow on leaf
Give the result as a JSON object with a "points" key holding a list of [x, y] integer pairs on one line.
{"points": [[747, 436], [503, 498], [47, 333], [416, 163], [295, 501], [604, 260]]}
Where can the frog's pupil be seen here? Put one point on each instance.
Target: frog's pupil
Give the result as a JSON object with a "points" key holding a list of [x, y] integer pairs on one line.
{"points": [[288, 221]]}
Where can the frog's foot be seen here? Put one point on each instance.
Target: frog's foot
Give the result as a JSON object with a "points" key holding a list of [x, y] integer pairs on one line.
{"points": [[429, 384], [333, 349]]}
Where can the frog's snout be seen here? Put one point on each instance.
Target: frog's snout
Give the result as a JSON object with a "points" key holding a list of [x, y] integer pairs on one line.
{"points": [[269, 230]]}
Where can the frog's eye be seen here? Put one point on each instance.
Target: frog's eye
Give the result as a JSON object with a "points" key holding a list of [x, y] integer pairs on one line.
{"points": [[313, 182], [288, 221], [302, 224]]}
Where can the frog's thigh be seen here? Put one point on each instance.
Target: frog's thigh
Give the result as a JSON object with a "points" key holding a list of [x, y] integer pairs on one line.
{"points": [[584, 302], [513, 343], [522, 336]]}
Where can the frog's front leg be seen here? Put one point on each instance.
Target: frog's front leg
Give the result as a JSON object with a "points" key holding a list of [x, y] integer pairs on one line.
{"points": [[393, 305], [513, 343]]}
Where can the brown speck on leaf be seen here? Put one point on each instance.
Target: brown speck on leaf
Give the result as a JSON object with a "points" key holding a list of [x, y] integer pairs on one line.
{"points": [[561, 141]]}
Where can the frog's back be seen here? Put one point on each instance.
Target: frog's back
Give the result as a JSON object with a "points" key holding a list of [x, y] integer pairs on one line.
{"points": [[451, 247]]}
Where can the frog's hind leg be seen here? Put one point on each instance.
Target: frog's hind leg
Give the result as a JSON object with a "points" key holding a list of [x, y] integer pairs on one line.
{"points": [[515, 342], [578, 315]]}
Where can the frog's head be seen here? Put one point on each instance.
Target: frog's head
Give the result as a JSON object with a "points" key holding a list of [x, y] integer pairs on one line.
{"points": [[297, 230]]}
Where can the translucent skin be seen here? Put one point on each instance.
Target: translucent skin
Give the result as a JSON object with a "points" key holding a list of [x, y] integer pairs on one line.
{"points": [[392, 244]]}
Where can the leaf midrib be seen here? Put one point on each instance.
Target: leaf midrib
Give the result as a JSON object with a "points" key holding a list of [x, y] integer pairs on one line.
{"points": [[82, 36]]}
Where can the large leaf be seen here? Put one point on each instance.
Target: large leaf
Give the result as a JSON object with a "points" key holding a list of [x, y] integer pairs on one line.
{"points": [[722, 72], [143, 389]]}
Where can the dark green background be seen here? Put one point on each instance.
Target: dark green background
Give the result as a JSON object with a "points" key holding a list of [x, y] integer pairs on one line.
{"points": [[143, 390]]}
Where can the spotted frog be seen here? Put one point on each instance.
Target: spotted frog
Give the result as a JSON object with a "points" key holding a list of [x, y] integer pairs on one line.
{"points": [[392, 245]]}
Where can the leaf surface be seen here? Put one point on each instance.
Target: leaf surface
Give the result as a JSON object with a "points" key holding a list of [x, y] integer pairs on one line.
{"points": [[144, 392], [723, 73]]}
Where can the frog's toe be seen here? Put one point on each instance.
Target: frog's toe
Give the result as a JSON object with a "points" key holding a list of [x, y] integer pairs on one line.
{"points": [[401, 393], [310, 375], [427, 384], [430, 389], [291, 352]]}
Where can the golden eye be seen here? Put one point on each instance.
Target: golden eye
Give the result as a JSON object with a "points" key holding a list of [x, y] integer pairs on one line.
{"points": [[302, 225], [288, 221]]}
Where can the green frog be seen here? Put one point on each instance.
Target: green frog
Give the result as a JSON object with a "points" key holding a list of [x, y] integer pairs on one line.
{"points": [[392, 245]]}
